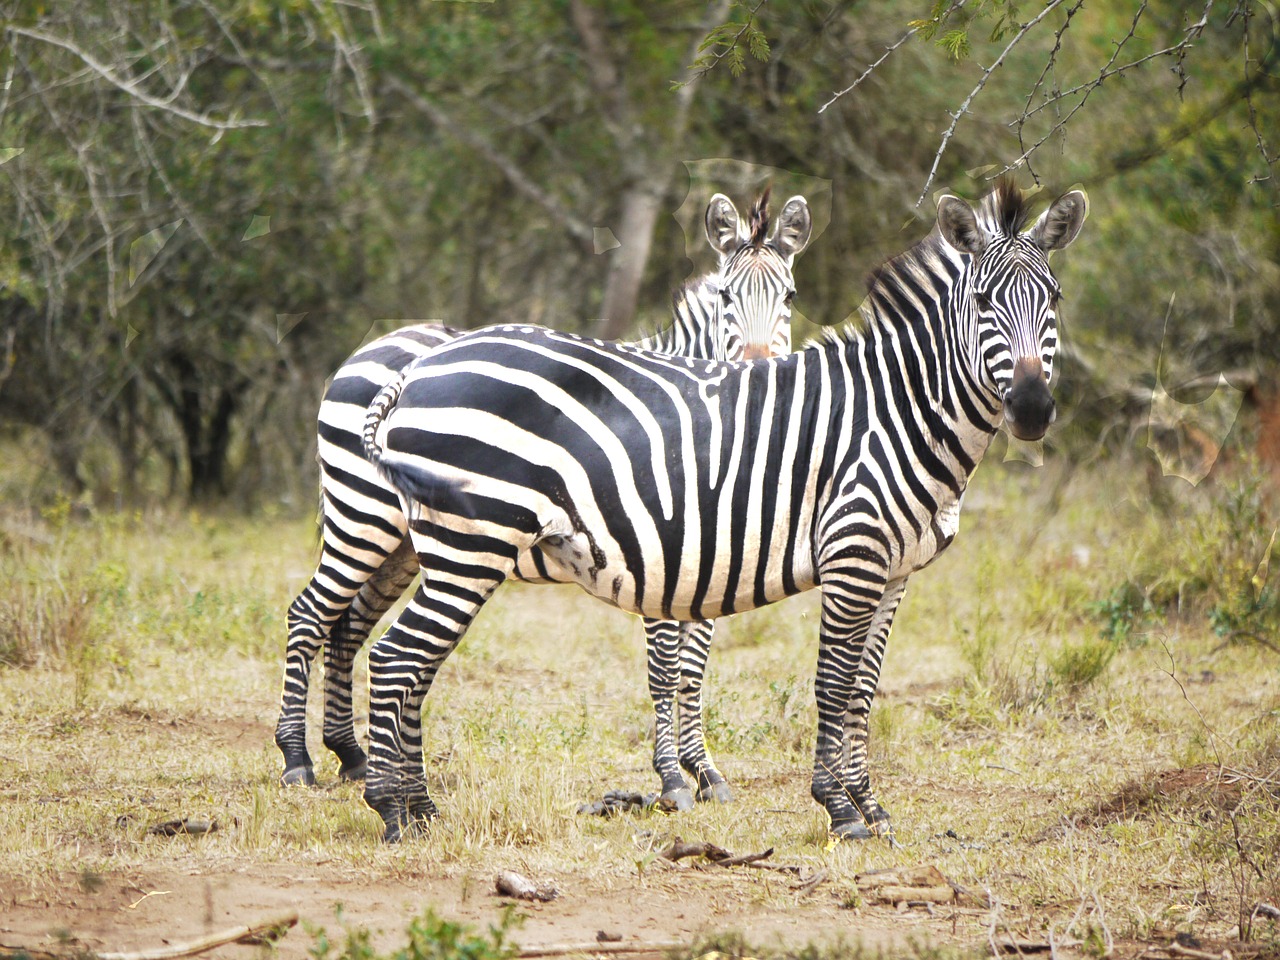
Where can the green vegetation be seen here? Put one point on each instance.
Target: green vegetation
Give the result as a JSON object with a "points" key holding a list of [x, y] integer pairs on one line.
{"points": [[429, 937]]}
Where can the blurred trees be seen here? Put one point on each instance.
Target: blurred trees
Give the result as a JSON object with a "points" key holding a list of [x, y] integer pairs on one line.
{"points": [[209, 203]]}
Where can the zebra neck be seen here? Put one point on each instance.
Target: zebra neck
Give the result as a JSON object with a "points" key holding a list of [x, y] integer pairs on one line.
{"points": [[921, 359], [695, 319]]}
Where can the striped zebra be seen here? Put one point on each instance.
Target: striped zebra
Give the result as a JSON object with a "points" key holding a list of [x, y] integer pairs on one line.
{"points": [[367, 561], [685, 489]]}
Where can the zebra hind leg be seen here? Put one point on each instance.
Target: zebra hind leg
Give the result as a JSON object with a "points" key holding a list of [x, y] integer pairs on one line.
{"points": [[307, 632], [695, 647], [375, 598], [402, 665]]}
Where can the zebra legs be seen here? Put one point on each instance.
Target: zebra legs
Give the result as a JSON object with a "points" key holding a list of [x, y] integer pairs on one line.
{"points": [[353, 550], [677, 661], [851, 607], [695, 647], [456, 582], [375, 598], [857, 779]]}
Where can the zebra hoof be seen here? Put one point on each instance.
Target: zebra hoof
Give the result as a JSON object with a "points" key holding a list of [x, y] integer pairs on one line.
{"points": [[302, 776], [355, 771], [715, 793], [851, 830], [680, 800]]}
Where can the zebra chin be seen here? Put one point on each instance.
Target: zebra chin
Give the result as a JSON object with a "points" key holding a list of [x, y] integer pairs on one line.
{"points": [[756, 351]]}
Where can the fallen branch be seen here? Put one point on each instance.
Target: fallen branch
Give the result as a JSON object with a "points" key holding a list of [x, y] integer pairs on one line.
{"points": [[679, 849], [262, 932], [808, 886], [593, 947]]}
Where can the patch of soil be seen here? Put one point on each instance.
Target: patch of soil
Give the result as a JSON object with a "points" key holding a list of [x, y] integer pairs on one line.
{"points": [[1188, 790], [154, 908]]}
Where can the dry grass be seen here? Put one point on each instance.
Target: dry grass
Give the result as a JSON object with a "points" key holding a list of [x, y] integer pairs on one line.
{"points": [[145, 689]]}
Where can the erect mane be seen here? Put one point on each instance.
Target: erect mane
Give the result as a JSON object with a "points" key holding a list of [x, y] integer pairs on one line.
{"points": [[1006, 208], [760, 218]]}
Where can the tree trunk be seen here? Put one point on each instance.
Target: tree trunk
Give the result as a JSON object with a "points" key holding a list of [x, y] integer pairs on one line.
{"points": [[640, 208]]}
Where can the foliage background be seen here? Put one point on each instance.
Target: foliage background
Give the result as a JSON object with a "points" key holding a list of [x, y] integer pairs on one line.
{"points": [[207, 204]]}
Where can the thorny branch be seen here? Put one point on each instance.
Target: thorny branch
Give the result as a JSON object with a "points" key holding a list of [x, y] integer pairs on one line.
{"points": [[892, 47], [982, 82], [1254, 68], [1177, 50]]}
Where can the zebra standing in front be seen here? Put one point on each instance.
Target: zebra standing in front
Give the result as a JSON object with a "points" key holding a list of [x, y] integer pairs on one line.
{"points": [[742, 310], [685, 489]]}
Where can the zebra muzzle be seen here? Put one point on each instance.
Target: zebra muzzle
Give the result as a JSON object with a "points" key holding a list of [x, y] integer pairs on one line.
{"points": [[1028, 405]]}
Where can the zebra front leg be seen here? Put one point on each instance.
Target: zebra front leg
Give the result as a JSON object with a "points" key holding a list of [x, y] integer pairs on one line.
{"points": [[849, 603], [856, 773], [662, 640], [375, 598], [695, 647]]}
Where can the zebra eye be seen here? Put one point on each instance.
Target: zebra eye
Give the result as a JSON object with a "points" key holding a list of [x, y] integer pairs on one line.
{"points": [[1056, 298], [982, 300], [727, 297], [789, 297]]}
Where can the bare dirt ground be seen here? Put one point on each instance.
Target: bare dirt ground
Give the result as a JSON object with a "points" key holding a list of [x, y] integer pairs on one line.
{"points": [[154, 908]]}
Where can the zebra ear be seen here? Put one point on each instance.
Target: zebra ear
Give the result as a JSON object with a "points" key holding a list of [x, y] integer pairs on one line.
{"points": [[795, 225], [1061, 223], [959, 225], [724, 228]]}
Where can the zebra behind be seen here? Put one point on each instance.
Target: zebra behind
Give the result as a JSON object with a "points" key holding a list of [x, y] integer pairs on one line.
{"points": [[367, 561], [687, 490]]}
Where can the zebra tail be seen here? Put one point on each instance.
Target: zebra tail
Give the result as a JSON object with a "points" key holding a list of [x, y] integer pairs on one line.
{"points": [[378, 409], [420, 487]]}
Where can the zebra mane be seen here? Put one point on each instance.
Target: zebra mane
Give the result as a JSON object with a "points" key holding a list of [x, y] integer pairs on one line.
{"points": [[760, 218], [1007, 208]]}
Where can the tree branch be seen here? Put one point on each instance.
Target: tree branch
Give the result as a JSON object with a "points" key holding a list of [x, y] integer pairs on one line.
{"points": [[892, 47], [579, 229], [982, 82], [130, 86]]}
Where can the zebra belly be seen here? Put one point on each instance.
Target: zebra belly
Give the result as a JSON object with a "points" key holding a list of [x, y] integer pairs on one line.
{"points": [[570, 559]]}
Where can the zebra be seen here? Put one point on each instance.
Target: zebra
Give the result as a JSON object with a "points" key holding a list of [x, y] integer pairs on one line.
{"points": [[686, 489], [367, 562]]}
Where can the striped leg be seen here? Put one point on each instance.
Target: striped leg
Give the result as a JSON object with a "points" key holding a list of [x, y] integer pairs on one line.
{"points": [[663, 642], [354, 546], [695, 647], [458, 577], [850, 599], [375, 598], [677, 660], [858, 711]]}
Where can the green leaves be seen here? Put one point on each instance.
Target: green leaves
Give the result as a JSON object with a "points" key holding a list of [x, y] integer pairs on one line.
{"points": [[726, 42]]}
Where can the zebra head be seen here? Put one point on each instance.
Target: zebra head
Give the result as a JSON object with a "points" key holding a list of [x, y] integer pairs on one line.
{"points": [[756, 284], [1011, 296]]}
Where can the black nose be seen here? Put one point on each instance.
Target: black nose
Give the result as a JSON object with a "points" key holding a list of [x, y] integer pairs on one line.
{"points": [[1029, 406]]}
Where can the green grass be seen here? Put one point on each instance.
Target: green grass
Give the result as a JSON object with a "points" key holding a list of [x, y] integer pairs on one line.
{"points": [[1035, 671]]}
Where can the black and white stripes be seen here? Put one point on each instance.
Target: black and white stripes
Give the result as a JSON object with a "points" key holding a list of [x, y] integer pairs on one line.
{"points": [[366, 561], [689, 490]]}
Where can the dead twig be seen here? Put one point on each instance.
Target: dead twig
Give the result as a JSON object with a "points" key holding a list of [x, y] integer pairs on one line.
{"points": [[265, 931], [808, 886], [679, 849]]}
